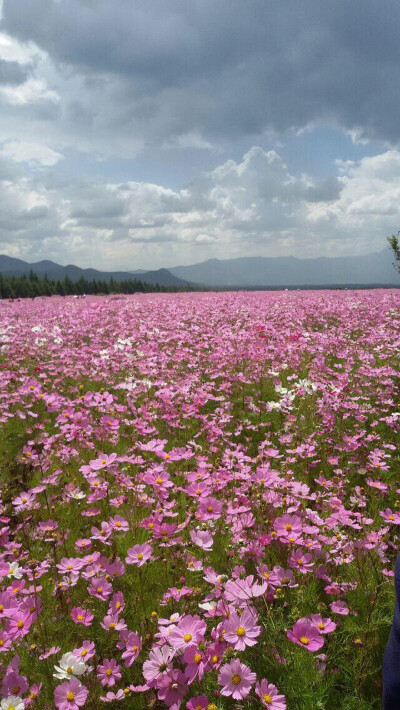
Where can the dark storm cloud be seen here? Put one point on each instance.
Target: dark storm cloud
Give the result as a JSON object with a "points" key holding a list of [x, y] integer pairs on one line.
{"points": [[235, 67]]}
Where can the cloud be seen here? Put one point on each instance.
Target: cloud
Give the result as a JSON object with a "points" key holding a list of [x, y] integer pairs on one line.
{"points": [[34, 154], [253, 206], [193, 74]]}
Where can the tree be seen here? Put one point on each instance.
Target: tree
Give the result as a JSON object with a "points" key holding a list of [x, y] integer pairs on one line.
{"points": [[394, 243]]}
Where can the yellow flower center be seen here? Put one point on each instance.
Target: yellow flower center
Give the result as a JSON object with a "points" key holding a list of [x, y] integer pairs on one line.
{"points": [[83, 652], [159, 481], [236, 679], [241, 631], [267, 699], [214, 659], [197, 657], [304, 640], [321, 625], [288, 527], [80, 617], [70, 670], [70, 696], [108, 671], [140, 556], [187, 638]]}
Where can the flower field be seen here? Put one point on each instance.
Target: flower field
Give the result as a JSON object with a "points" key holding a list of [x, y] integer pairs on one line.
{"points": [[200, 500]]}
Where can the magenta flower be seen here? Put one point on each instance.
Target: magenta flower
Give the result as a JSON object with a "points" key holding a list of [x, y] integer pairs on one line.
{"points": [[324, 626], [108, 672], [82, 616], [306, 634], [139, 554], [241, 631], [172, 687], [269, 695], [199, 702], [236, 679], [70, 695]]}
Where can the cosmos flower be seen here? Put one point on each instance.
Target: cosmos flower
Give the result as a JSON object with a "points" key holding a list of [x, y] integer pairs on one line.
{"points": [[71, 695], [306, 634], [236, 679]]}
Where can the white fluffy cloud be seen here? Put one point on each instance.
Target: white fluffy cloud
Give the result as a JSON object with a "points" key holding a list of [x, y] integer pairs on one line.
{"points": [[250, 207], [34, 154]]}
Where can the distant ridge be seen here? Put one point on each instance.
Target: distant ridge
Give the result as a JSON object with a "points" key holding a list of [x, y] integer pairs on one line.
{"points": [[289, 271], [17, 267]]}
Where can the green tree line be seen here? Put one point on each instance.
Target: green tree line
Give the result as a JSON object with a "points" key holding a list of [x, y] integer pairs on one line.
{"points": [[30, 286]]}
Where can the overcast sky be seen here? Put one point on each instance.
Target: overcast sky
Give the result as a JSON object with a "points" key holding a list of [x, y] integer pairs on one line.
{"points": [[148, 133]]}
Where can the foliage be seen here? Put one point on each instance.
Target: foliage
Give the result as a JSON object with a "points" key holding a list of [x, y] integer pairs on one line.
{"points": [[32, 286]]}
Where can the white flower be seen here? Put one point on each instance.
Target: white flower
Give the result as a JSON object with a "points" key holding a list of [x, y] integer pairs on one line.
{"points": [[70, 666], [78, 495], [13, 702], [15, 570]]}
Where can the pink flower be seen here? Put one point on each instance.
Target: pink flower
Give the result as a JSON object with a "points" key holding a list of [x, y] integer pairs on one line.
{"points": [[109, 672], [288, 526], [172, 687], [158, 663], [269, 695], [112, 622], [236, 679], [139, 554], [306, 634], [241, 631], [82, 616], [243, 589], [100, 588], [339, 608], [196, 661], [119, 524], [132, 643], [202, 538], [199, 702], [86, 651], [324, 626], [390, 517], [102, 462], [190, 629], [70, 695]]}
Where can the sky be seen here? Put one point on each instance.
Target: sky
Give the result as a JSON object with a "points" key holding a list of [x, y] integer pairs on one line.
{"points": [[152, 134]]}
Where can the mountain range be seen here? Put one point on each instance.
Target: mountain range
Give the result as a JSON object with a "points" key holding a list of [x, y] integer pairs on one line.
{"points": [[16, 267], [244, 272], [376, 268]]}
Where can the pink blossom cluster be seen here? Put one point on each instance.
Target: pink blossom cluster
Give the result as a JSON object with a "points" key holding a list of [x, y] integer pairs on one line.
{"points": [[195, 491]]}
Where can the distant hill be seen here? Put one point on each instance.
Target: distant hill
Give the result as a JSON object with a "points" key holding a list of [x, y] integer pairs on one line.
{"points": [[245, 272], [16, 267]]}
